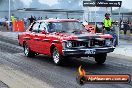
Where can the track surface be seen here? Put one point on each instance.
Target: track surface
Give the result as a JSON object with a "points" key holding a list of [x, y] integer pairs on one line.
{"points": [[40, 71]]}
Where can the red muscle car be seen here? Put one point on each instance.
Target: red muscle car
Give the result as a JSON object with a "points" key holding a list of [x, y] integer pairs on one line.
{"points": [[62, 38]]}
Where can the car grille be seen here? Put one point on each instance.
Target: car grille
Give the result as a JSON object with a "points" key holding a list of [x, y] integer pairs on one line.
{"points": [[87, 44], [97, 43], [80, 44]]}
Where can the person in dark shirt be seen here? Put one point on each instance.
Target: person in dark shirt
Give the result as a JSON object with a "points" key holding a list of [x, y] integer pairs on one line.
{"points": [[31, 19], [126, 27]]}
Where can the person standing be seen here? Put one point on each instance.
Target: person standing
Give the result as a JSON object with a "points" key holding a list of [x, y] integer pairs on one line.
{"points": [[107, 24], [12, 18], [31, 19], [126, 27], [12, 21], [131, 27]]}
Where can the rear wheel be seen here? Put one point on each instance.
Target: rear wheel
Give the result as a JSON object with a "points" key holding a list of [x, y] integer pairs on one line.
{"points": [[100, 58], [56, 57], [27, 51]]}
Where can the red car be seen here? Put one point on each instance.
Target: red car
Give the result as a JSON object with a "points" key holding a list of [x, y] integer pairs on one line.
{"points": [[62, 38]]}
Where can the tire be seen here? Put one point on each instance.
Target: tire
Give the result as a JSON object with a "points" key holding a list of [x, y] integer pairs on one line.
{"points": [[100, 58], [19, 43], [27, 51], [57, 59]]}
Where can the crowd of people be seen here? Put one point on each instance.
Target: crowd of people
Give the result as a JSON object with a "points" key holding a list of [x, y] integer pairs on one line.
{"points": [[27, 21], [3, 23], [124, 25]]}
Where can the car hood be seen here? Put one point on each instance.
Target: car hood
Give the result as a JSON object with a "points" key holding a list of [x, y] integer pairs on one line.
{"points": [[83, 36]]}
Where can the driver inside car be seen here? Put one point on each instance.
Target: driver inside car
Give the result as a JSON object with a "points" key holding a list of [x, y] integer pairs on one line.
{"points": [[51, 27]]}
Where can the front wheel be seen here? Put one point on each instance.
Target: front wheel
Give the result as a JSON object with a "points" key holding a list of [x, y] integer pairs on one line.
{"points": [[56, 57], [100, 58], [27, 51]]}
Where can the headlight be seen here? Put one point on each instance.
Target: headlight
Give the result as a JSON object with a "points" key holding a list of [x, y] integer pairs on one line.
{"points": [[69, 44], [108, 42], [63, 45]]}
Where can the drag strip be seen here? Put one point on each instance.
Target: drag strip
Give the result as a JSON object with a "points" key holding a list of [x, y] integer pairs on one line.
{"points": [[10, 48], [8, 39], [42, 71]]}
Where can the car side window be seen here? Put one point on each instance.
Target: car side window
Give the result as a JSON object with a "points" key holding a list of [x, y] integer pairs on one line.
{"points": [[35, 27], [43, 27], [51, 27]]}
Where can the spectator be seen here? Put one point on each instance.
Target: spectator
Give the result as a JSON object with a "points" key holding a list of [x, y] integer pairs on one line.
{"points": [[41, 18], [35, 18], [12, 18], [6, 18], [107, 24], [126, 27], [122, 26], [46, 17], [25, 21], [31, 19], [130, 27]]}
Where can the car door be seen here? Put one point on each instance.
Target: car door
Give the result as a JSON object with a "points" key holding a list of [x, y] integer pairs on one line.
{"points": [[34, 37], [43, 35]]}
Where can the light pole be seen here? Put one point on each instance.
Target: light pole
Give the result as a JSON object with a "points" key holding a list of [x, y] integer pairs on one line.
{"points": [[9, 10]]}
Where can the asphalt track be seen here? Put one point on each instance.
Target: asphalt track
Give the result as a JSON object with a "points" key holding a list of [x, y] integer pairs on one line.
{"points": [[18, 71]]}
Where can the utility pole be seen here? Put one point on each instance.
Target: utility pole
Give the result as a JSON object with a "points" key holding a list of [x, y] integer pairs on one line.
{"points": [[9, 11]]}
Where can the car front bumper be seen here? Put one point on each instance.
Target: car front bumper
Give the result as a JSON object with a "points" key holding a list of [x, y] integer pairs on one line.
{"points": [[87, 51]]}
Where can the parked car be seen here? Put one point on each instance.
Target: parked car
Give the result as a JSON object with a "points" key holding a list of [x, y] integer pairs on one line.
{"points": [[62, 38]]}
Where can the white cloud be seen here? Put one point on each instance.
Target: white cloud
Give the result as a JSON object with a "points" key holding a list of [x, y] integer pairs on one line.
{"points": [[26, 2], [49, 2], [125, 3]]}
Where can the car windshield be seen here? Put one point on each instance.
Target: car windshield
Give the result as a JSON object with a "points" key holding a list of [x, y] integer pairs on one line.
{"points": [[67, 27]]}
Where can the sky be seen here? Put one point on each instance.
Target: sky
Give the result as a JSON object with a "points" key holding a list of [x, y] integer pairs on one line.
{"points": [[48, 2], [126, 3]]}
